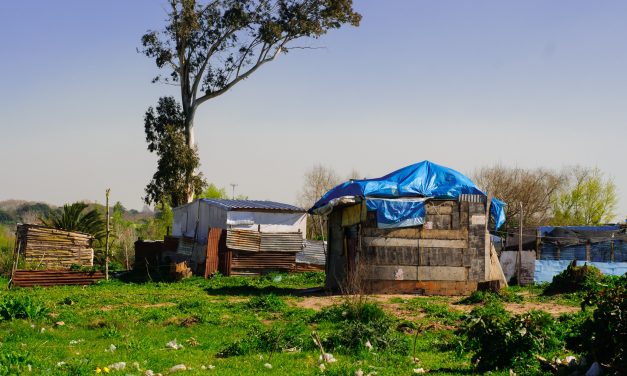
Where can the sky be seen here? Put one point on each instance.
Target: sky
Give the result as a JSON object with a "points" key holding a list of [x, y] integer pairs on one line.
{"points": [[464, 84]]}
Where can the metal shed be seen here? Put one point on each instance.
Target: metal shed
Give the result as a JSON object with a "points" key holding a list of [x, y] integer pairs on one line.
{"points": [[238, 237]]}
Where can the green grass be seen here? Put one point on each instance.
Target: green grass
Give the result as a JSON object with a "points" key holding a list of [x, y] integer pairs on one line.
{"points": [[206, 317]]}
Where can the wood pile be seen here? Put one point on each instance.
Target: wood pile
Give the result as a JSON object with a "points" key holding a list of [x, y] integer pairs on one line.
{"points": [[180, 270], [53, 248]]}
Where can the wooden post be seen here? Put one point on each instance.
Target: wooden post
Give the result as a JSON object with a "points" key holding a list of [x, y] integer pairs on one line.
{"points": [[520, 245], [612, 249], [588, 250], [538, 245], [107, 237]]}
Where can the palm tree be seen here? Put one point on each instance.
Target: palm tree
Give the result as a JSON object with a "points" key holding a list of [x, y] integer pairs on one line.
{"points": [[73, 218]]}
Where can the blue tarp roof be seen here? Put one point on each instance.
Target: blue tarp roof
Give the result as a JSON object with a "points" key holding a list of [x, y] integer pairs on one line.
{"points": [[424, 179]]}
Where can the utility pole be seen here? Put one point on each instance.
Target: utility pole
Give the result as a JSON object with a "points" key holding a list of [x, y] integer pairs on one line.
{"points": [[107, 238], [233, 194]]}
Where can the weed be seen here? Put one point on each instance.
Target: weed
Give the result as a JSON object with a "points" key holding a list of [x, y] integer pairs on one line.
{"points": [[500, 340], [268, 303], [292, 335], [440, 312], [14, 363], [354, 325], [504, 295], [20, 307]]}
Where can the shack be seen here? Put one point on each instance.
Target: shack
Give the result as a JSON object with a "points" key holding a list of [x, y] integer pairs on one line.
{"points": [[421, 229], [237, 237]]}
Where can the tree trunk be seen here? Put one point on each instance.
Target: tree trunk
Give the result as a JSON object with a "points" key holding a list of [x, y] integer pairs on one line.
{"points": [[191, 143]]}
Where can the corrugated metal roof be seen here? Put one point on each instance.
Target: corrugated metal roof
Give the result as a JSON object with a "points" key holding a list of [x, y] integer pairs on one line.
{"points": [[252, 205]]}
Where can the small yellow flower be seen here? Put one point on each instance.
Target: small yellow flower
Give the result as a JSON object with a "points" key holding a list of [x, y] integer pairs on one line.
{"points": [[98, 370], [106, 370]]}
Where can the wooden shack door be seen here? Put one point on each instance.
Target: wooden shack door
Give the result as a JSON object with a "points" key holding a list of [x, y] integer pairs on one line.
{"points": [[213, 246]]}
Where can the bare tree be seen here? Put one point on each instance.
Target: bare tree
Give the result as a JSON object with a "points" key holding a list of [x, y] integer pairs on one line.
{"points": [[318, 180], [535, 188]]}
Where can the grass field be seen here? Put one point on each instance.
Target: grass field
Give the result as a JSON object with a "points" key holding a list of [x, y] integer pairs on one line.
{"points": [[230, 326]]}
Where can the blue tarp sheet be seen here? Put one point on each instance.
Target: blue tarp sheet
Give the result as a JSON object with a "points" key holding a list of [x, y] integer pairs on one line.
{"points": [[424, 179]]}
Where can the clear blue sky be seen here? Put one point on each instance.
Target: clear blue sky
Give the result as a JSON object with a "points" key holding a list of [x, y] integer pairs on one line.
{"points": [[461, 83]]}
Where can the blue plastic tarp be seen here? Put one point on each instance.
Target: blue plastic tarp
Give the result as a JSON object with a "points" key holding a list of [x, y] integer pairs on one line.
{"points": [[424, 179]]}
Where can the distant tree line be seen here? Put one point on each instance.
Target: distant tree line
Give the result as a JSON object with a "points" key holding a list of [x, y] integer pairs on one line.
{"points": [[572, 196]]}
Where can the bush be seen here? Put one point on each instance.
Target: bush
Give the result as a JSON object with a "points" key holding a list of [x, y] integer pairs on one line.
{"points": [[574, 278], [500, 340], [20, 307]]}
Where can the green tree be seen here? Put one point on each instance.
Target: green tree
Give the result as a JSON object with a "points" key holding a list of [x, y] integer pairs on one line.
{"points": [[124, 234], [176, 179], [74, 217], [589, 199], [212, 191], [158, 226], [207, 49]]}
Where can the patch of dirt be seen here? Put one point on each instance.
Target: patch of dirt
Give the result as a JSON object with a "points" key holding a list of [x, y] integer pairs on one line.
{"points": [[189, 321], [111, 307], [398, 309], [158, 305], [318, 302], [551, 308]]}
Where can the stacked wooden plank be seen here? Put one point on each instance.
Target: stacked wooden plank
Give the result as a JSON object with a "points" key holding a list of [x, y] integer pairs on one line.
{"points": [[53, 248], [29, 278]]}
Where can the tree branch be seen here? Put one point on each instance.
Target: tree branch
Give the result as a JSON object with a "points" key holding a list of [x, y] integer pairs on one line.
{"points": [[263, 58]]}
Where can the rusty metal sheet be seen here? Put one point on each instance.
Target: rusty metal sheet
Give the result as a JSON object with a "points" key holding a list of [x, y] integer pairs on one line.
{"points": [[29, 278], [254, 241], [214, 239]]}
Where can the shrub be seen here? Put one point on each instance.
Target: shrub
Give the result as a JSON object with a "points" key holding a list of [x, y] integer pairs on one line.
{"points": [[500, 340], [574, 278], [20, 307], [604, 335]]}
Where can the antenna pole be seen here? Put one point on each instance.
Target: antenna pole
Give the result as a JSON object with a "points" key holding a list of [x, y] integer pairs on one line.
{"points": [[233, 190]]}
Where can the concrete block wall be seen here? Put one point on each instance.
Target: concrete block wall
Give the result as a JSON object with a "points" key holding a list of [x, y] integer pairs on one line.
{"points": [[447, 256]]}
